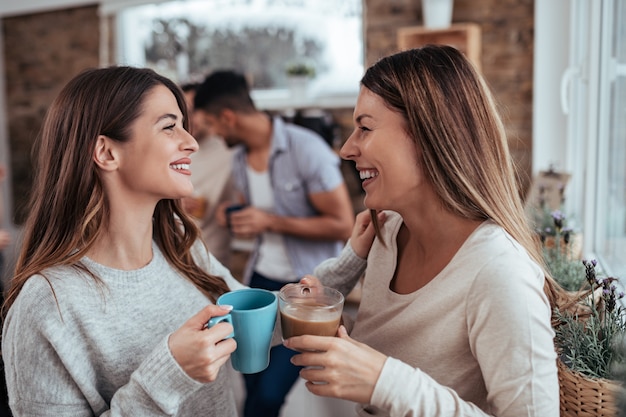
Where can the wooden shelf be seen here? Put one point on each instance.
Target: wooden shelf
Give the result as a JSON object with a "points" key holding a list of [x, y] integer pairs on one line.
{"points": [[466, 37]]}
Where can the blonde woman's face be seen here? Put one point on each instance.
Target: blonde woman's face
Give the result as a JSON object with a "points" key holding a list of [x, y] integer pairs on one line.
{"points": [[385, 155]]}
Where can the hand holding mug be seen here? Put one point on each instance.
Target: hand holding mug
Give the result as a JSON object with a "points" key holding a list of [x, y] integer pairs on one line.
{"points": [[248, 221], [201, 352], [337, 367]]}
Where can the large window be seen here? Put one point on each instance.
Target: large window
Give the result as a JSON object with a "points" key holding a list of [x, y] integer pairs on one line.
{"points": [[597, 127], [261, 38]]}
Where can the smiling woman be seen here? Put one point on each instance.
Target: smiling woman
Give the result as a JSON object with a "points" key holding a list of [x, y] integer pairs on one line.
{"points": [[123, 249], [455, 265]]}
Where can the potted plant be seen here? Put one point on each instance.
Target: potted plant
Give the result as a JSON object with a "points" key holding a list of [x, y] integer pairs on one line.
{"points": [[561, 249], [589, 332], [588, 342], [300, 69], [298, 76]]}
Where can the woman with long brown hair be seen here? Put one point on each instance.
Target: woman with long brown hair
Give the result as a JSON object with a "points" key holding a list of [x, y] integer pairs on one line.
{"points": [[106, 311], [455, 314]]}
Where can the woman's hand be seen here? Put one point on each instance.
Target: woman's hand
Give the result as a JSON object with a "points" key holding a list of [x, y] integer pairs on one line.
{"points": [[363, 233], [311, 281], [200, 351], [337, 367]]}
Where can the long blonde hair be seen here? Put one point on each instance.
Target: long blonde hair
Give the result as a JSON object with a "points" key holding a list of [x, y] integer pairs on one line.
{"points": [[452, 117], [68, 207]]}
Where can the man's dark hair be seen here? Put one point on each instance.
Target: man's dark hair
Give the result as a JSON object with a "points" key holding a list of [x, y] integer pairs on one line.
{"points": [[187, 87], [224, 89]]}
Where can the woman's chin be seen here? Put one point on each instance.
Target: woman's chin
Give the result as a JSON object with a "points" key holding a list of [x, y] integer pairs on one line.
{"points": [[371, 204]]}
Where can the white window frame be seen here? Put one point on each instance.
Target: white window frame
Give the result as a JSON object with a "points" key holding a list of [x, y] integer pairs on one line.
{"points": [[589, 121], [607, 72], [571, 117]]}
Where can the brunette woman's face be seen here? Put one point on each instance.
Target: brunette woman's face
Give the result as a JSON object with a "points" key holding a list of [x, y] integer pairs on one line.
{"points": [[385, 155], [155, 161]]}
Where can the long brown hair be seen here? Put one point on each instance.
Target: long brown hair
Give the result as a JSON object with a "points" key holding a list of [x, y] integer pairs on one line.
{"points": [[68, 207], [452, 117]]}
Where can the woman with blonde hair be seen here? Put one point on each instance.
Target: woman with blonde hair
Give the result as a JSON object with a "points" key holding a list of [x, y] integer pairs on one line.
{"points": [[107, 308], [455, 314]]}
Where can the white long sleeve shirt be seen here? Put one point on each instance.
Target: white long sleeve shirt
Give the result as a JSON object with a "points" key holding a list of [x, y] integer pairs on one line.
{"points": [[475, 341]]}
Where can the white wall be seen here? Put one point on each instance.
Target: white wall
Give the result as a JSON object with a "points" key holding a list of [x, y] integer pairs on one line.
{"points": [[551, 59]]}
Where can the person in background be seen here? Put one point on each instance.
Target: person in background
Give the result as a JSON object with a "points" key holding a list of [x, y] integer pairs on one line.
{"points": [[455, 314], [5, 236], [298, 208], [5, 241], [212, 181], [106, 313]]}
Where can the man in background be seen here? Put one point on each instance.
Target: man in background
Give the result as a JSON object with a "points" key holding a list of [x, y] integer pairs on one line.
{"points": [[298, 208], [211, 177]]}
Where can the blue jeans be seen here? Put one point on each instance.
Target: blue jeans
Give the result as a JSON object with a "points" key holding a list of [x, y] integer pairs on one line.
{"points": [[266, 391]]}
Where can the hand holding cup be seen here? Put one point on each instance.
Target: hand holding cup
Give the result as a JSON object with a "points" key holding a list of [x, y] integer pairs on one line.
{"points": [[201, 352]]}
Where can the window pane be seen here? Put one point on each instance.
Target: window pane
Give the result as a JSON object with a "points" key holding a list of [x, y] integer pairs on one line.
{"points": [[614, 215], [187, 39]]}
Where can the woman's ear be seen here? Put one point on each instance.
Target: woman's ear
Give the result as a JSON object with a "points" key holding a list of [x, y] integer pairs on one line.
{"points": [[104, 155]]}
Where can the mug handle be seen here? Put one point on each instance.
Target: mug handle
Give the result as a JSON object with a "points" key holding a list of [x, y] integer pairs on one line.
{"points": [[220, 319]]}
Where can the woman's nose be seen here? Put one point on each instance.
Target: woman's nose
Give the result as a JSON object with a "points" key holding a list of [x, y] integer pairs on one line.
{"points": [[190, 143], [348, 150]]}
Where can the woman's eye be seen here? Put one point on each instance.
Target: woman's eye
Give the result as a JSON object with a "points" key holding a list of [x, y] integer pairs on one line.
{"points": [[364, 129], [170, 127]]}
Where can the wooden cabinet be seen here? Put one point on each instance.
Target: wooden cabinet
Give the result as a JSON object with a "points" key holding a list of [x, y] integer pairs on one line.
{"points": [[466, 37]]}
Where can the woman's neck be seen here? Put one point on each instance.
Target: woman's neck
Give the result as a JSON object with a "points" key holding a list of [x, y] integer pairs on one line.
{"points": [[429, 233], [126, 242]]}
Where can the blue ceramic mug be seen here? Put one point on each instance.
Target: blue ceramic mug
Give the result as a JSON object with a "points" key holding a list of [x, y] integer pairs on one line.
{"points": [[253, 318]]}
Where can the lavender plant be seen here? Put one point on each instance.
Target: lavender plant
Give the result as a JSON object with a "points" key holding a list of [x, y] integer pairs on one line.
{"points": [[588, 340], [556, 238]]}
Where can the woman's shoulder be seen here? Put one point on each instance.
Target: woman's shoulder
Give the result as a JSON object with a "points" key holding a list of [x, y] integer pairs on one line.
{"points": [[500, 259], [57, 279], [491, 241], [38, 298]]}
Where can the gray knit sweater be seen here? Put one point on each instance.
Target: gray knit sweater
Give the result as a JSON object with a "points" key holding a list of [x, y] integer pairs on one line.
{"points": [[102, 349]]}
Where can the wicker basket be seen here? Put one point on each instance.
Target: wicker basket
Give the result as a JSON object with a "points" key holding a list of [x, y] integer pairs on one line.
{"points": [[582, 396]]}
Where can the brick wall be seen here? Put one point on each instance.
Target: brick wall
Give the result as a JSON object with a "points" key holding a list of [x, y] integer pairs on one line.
{"points": [[43, 51], [507, 56]]}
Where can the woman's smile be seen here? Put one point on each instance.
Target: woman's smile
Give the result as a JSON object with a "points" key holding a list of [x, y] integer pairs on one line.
{"points": [[367, 176], [182, 166]]}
